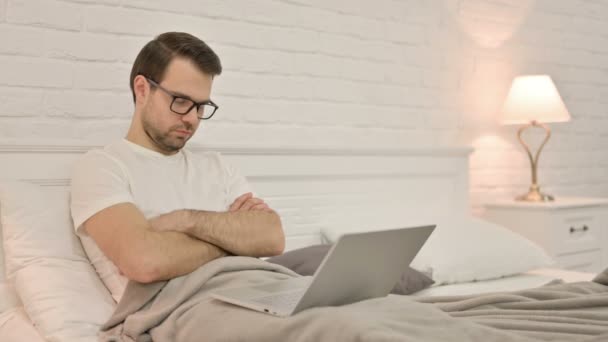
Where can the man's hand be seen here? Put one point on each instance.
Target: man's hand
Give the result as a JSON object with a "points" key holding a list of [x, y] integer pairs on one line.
{"points": [[177, 220], [247, 202], [248, 228]]}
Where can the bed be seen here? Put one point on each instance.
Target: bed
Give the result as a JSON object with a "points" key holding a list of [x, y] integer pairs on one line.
{"points": [[319, 193]]}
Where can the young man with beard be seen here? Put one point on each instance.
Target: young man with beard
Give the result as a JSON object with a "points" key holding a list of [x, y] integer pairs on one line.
{"points": [[148, 209]]}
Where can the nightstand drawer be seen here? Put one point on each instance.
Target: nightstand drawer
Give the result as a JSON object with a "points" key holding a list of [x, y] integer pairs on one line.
{"points": [[578, 231], [584, 262]]}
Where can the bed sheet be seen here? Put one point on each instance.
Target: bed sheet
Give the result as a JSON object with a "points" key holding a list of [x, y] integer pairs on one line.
{"points": [[565, 275], [183, 309], [16, 326], [531, 279]]}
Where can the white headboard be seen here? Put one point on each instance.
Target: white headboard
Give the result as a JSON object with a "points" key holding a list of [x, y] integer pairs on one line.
{"points": [[310, 188]]}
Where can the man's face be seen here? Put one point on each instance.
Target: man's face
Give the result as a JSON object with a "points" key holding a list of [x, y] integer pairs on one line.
{"points": [[167, 130]]}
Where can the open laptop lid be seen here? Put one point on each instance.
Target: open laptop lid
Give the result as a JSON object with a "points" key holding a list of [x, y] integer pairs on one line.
{"points": [[363, 265]]}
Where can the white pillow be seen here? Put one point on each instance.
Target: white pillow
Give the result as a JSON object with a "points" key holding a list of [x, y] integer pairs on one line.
{"points": [[36, 224], [70, 309], [15, 326], [8, 297], [58, 286], [465, 249], [2, 268]]}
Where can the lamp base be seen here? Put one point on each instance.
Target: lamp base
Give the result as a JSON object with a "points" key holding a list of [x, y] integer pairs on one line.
{"points": [[534, 195]]}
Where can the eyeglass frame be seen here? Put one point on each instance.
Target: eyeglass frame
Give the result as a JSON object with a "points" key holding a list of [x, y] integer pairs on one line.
{"points": [[174, 97]]}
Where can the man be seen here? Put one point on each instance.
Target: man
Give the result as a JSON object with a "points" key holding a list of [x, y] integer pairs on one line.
{"points": [[146, 208]]}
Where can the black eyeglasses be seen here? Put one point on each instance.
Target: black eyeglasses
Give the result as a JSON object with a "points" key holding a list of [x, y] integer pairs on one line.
{"points": [[182, 105]]}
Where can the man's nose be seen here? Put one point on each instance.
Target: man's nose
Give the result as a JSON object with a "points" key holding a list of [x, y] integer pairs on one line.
{"points": [[191, 117]]}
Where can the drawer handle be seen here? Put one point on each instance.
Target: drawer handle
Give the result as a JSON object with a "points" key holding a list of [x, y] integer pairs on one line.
{"points": [[582, 229]]}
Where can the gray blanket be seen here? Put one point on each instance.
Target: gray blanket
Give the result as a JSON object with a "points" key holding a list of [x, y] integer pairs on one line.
{"points": [[181, 310]]}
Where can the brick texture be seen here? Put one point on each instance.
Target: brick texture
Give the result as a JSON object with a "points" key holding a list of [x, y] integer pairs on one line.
{"points": [[321, 73]]}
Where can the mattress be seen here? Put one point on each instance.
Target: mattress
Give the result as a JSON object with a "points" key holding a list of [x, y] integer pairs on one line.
{"points": [[565, 275], [531, 279]]}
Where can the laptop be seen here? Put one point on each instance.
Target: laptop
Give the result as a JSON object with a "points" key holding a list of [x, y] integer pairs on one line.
{"points": [[358, 267]]}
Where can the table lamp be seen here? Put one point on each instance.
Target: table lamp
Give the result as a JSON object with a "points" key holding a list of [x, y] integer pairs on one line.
{"points": [[533, 101]]}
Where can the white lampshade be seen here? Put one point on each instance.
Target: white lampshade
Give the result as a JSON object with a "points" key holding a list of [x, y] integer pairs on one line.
{"points": [[533, 98]]}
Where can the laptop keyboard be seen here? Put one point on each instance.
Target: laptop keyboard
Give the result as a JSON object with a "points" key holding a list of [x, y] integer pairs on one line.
{"points": [[284, 300]]}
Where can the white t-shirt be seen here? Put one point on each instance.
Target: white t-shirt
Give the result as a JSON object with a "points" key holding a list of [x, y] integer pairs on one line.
{"points": [[124, 172]]}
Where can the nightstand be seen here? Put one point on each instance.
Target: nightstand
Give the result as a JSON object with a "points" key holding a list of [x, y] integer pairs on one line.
{"points": [[573, 230]]}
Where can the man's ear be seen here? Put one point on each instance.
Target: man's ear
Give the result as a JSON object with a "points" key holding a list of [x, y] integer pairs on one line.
{"points": [[141, 88]]}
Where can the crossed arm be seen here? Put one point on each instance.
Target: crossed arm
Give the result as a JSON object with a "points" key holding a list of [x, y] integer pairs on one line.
{"points": [[178, 242]]}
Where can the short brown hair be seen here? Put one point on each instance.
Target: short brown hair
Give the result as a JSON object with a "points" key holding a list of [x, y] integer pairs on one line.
{"points": [[154, 57]]}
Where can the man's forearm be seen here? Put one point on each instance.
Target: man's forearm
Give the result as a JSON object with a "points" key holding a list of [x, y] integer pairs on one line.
{"points": [[175, 254], [249, 233]]}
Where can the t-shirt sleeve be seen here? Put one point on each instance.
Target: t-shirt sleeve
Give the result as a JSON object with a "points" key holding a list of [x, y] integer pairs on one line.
{"points": [[98, 182], [235, 183]]}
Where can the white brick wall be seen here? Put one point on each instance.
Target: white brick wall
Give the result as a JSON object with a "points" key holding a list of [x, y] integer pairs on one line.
{"points": [[356, 73], [2, 11], [50, 14]]}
